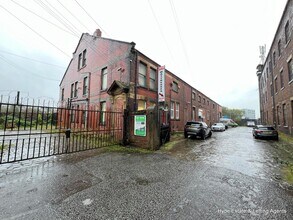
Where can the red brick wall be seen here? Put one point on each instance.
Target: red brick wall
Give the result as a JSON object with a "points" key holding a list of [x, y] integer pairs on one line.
{"points": [[281, 95]]}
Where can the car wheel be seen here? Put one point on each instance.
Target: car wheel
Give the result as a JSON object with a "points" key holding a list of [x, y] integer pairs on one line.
{"points": [[210, 134], [203, 136]]}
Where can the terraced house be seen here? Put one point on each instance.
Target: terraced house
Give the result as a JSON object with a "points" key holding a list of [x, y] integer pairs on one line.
{"points": [[113, 75], [275, 77]]}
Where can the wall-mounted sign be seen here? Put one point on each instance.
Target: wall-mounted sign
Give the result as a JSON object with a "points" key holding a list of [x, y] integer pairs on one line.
{"points": [[161, 83], [140, 125]]}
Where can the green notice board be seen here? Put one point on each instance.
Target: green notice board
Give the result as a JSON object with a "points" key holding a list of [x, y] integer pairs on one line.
{"points": [[140, 125]]}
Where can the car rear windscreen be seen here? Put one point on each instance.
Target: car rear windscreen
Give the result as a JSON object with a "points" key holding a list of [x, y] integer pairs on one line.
{"points": [[193, 123], [266, 128]]}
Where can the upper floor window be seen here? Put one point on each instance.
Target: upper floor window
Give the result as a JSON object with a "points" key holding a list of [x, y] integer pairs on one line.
{"points": [[62, 94], [82, 59], [282, 79], [287, 32], [142, 72], [290, 70], [153, 79], [175, 86], [104, 79], [199, 98], [204, 101], [274, 58], [276, 85], [193, 95], [85, 86], [208, 102], [279, 48], [73, 91]]}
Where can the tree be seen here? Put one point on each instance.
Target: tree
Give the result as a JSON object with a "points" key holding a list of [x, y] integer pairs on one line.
{"points": [[234, 114]]}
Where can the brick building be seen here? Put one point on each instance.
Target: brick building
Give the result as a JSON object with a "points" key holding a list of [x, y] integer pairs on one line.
{"points": [[275, 77], [103, 72]]}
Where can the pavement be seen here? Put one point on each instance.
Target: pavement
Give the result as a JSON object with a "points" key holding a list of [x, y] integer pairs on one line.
{"points": [[228, 176]]}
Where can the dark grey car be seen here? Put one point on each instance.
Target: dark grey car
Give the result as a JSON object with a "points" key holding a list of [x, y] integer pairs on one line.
{"points": [[265, 131], [197, 129]]}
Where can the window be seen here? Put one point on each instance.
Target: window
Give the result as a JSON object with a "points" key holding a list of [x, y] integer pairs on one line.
{"points": [[142, 72], [199, 98], [84, 58], [75, 89], [153, 79], [172, 110], [141, 105], [278, 115], [175, 86], [193, 95], [193, 113], [208, 102], [177, 110], [287, 32], [282, 79], [85, 86], [279, 48], [276, 85], [103, 113], [290, 70], [213, 105], [270, 66], [274, 58], [284, 115], [83, 116], [72, 91], [72, 115], [81, 59], [204, 101], [104, 77], [62, 94], [272, 90]]}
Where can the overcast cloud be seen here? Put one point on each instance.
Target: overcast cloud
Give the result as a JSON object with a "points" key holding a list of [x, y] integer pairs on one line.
{"points": [[213, 45]]}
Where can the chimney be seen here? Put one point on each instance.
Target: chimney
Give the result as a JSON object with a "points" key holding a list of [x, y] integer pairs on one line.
{"points": [[98, 33]]}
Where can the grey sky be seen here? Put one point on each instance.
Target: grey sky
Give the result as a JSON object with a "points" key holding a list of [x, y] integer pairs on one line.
{"points": [[213, 45]]}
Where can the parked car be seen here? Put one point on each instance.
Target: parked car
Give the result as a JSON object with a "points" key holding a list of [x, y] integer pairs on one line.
{"points": [[218, 127], [265, 131], [197, 129], [250, 123]]}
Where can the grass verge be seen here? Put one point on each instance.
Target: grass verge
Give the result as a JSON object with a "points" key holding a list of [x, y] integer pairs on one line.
{"points": [[128, 149], [285, 157]]}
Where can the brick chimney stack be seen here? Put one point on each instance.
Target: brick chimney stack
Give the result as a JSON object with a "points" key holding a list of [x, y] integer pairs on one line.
{"points": [[98, 33]]}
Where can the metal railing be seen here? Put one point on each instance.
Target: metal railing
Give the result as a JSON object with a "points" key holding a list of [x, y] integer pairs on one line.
{"points": [[30, 131]]}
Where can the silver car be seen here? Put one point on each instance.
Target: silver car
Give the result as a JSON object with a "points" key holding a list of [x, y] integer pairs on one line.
{"points": [[218, 127]]}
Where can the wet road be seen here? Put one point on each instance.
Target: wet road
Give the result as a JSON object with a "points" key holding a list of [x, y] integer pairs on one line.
{"points": [[227, 176]]}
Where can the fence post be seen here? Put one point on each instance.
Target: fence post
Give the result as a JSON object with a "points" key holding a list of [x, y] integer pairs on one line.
{"points": [[125, 127]]}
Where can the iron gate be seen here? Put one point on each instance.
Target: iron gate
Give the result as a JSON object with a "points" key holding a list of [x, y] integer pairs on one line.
{"points": [[34, 131]]}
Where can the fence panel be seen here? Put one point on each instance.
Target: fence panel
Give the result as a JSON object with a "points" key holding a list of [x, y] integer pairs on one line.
{"points": [[34, 131]]}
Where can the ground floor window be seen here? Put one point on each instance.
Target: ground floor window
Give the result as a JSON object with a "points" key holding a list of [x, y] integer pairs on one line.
{"points": [[103, 113], [172, 110], [141, 105]]}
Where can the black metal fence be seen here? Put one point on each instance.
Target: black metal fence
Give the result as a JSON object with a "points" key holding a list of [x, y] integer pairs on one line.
{"points": [[30, 131]]}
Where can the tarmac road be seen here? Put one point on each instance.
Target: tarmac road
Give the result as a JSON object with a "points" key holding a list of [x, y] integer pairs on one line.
{"points": [[228, 176]]}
